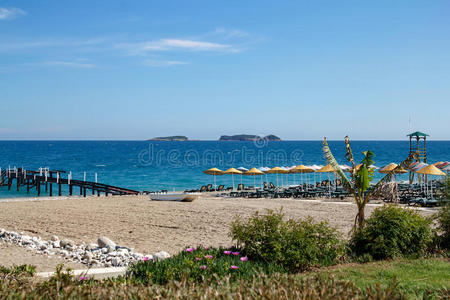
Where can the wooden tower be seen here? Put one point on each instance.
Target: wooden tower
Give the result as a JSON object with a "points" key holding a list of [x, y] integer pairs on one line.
{"points": [[418, 144]]}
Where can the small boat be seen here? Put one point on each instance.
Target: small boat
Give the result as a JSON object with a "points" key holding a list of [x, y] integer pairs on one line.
{"points": [[181, 197]]}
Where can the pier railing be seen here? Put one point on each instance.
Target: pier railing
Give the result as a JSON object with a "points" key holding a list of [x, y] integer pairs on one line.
{"points": [[31, 179]]}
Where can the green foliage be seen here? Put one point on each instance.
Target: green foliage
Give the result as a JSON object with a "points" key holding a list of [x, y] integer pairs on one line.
{"points": [[17, 271], [392, 232], [443, 219], [364, 175], [198, 265], [294, 245]]}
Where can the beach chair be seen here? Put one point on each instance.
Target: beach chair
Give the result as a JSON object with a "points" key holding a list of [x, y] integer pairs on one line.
{"points": [[209, 188], [265, 185], [240, 187], [271, 185], [220, 188], [203, 189]]}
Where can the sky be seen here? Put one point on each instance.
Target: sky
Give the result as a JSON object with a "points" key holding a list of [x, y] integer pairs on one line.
{"points": [[302, 70]]}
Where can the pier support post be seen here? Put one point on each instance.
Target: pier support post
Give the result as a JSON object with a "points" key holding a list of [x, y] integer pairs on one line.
{"points": [[81, 190], [84, 191], [38, 186], [70, 189], [59, 189], [51, 189], [28, 185]]}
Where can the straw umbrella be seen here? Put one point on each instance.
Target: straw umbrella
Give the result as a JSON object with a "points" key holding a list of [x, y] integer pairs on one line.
{"points": [[302, 169], [214, 172], [327, 169], [276, 170], [431, 170], [253, 172], [232, 171]]}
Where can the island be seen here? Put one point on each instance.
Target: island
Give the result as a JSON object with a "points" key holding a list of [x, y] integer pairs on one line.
{"points": [[178, 138], [249, 137]]}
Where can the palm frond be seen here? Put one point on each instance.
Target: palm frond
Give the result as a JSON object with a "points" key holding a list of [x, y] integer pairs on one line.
{"points": [[346, 183]]}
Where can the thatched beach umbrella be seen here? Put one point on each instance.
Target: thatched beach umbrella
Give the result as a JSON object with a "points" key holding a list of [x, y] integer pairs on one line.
{"points": [[232, 171], [392, 167], [302, 169], [327, 169], [276, 170], [253, 172], [214, 172], [431, 170]]}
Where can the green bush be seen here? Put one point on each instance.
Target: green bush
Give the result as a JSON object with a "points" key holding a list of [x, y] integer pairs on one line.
{"points": [[201, 264], [294, 245], [443, 218], [391, 232]]}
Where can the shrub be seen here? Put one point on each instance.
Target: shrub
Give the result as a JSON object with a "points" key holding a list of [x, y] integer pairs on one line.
{"points": [[201, 264], [391, 232], [443, 218], [294, 245]]}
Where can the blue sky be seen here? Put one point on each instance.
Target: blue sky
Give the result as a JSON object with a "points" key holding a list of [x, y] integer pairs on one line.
{"points": [[297, 69]]}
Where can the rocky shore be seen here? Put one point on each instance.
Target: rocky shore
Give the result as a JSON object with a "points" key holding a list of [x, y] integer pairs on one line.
{"points": [[104, 253]]}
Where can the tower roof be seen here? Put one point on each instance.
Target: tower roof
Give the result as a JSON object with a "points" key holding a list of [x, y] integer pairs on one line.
{"points": [[418, 133]]}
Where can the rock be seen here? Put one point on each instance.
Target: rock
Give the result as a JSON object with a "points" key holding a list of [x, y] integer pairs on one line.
{"points": [[104, 242], [54, 238], [95, 262], [56, 244], [104, 250], [110, 249], [91, 246], [64, 253], [42, 246], [162, 255], [123, 251], [2, 232], [66, 242], [116, 262]]}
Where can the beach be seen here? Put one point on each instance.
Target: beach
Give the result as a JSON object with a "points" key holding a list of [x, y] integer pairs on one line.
{"points": [[150, 226]]}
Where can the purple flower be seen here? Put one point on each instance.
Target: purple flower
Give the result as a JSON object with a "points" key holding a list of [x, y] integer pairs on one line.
{"points": [[206, 248], [245, 258], [145, 258], [209, 256], [227, 252], [203, 267], [82, 278], [190, 249], [235, 253], [234, 267]]}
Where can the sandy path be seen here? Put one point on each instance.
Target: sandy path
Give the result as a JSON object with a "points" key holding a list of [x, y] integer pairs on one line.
{"points": [[151, 226]]}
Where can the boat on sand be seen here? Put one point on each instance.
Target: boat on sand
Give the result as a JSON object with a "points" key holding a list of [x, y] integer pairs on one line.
{"points": [[181, 197]]}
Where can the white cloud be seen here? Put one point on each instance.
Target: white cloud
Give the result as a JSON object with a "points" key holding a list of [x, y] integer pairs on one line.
{"points": [[49, 43], [57, 63], [177, 45], [10, 13], [163, 63]]}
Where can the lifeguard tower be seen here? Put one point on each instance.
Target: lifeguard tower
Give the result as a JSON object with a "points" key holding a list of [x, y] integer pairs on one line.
{"points": [[418, 144]]}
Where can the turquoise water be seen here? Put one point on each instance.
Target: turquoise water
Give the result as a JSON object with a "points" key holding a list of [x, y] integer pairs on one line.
{"points": [[145, 165]]}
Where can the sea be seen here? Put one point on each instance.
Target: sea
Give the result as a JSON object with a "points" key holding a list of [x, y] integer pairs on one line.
{"points": [[179, 165]]}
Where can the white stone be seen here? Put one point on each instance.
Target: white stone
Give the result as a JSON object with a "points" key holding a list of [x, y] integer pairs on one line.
{"points": [[161, 255], [56, 244], [115, 261], [54, 238], [91, 246]]}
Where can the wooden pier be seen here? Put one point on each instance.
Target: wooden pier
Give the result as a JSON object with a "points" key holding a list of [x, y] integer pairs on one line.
{"points": [[49, 179]]}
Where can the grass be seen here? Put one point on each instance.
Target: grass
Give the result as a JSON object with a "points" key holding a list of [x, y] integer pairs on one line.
{"points": [[412, 276]]}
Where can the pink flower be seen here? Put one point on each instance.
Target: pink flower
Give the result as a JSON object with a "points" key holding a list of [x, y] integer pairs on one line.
{"points": [[227, 252], [82, 278], [198, 258], [203, 267], [145, 258], [190, 249], [245, 258], [206, 248], [234, 267], [235, 253], [209, 256]]}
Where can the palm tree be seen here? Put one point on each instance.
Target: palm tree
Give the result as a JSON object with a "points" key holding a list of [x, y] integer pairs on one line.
{"points": [[359, 183]]}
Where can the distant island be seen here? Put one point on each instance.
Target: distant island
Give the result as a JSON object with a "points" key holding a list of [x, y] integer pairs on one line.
{"points": [[170, 138], [248, 137]]}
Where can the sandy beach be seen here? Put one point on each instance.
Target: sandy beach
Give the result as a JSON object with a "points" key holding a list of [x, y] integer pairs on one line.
{"points": [[149, 226]]}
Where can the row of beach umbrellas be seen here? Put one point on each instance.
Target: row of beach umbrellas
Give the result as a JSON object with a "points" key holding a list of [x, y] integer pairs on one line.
{"points": [[419, 167]]}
